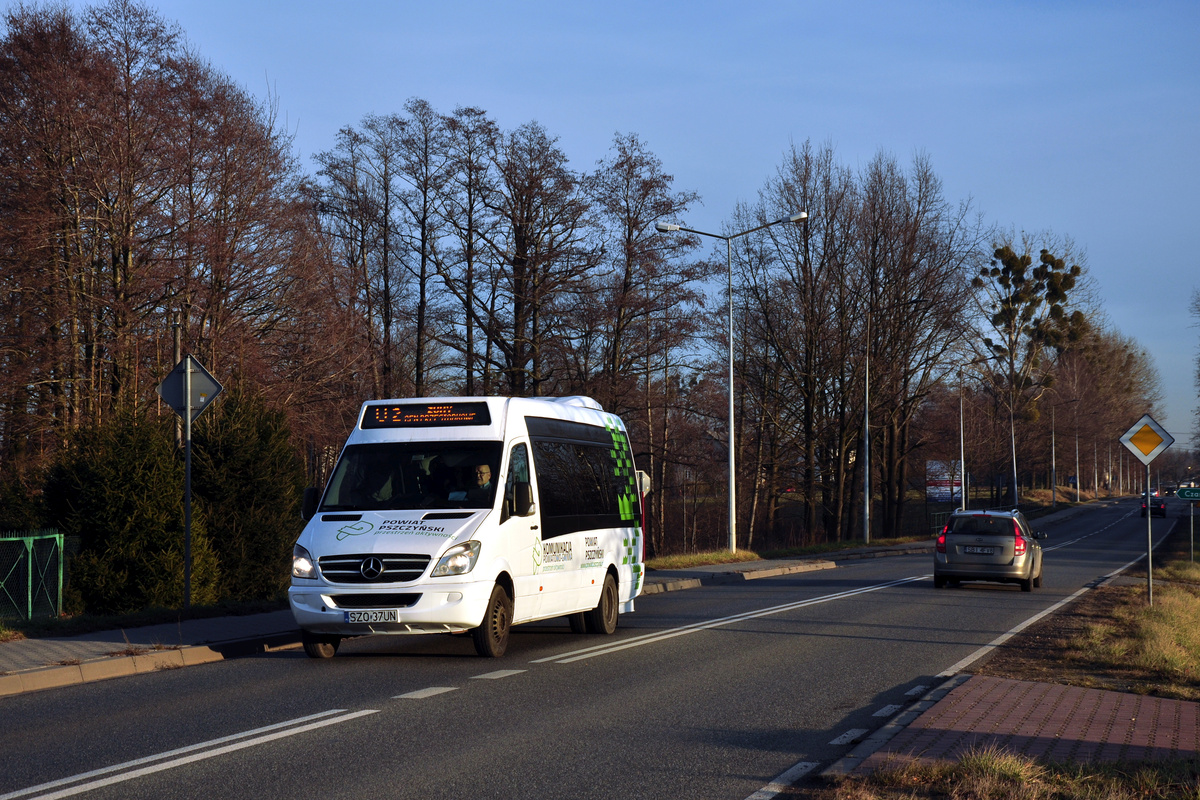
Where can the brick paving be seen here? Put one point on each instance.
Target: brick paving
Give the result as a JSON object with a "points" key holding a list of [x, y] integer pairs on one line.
{"points": [[1046, 721]]}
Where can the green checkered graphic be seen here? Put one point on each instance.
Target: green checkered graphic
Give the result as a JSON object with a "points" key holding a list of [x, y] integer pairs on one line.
{"points": [[627, 498]]}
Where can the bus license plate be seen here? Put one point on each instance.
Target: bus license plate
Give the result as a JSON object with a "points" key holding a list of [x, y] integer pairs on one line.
{"points": [[978, 551], [380, 615]]}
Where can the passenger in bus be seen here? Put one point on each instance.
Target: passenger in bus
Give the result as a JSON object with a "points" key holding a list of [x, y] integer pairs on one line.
{"points": [[482, 491]]}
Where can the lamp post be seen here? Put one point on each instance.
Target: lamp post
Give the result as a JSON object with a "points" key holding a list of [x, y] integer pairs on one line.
{"points": [[665, 227], [867, 433], [962, 448], [1053, 466]]}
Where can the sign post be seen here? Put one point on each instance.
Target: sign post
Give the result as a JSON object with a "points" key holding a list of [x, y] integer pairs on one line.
{"points": [[1146, 440], [1190, 493], [188, 389]]}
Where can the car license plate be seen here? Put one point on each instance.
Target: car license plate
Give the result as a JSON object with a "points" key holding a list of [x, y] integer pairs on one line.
{"points": [[379, 615], [979, 551]]}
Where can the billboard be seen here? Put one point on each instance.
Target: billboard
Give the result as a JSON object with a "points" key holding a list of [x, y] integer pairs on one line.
{"points": [[943, 481]]}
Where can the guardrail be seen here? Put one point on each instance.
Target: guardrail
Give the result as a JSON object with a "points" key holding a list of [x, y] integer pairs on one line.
{"points": [[31, 574]]}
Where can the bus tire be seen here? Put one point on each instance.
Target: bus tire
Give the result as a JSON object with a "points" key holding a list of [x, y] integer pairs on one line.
{"points": [[491, 637], [317, 646], [578, 622], [603, 618]]}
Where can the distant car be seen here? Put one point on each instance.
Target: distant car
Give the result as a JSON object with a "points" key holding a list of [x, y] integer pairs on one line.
{"points": [[1158, 506], [988, 546]]}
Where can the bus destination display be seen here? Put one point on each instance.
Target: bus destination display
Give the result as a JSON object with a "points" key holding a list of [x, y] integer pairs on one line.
{"points": [[425, 415]]}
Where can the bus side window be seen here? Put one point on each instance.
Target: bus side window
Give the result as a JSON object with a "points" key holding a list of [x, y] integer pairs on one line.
{"points": [[518, 490]]}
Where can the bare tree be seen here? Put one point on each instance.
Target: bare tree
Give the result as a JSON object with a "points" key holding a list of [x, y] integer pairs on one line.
{"points": [[541, 248], [1025, 308], [471, 138], [916, 253], [424, 168]]}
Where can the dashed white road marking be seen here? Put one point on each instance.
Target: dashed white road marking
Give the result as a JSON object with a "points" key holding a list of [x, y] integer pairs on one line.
{"points": [[784, 781], [849, 736], [497, 675], [421, 694]]}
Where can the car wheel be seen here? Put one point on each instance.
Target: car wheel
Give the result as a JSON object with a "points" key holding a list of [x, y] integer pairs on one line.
{"points": [[491, 637], [603, 618], [1037, 582], [1027, 585], [939, 582], [317, 646]]}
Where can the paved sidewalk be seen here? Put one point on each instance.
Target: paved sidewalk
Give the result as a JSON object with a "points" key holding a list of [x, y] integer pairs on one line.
{"points": [[1040, 720], [34, 664]]}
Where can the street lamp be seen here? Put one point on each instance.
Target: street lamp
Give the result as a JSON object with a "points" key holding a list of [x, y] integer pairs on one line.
{"points": [[665, 227], [962, 450]]}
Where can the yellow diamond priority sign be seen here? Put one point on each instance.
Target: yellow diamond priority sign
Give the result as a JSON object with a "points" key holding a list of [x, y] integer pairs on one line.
{"points": [[1147, 439]]}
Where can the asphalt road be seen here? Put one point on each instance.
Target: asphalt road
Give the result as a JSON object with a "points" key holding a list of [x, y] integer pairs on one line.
{"points": [[711, 693]]}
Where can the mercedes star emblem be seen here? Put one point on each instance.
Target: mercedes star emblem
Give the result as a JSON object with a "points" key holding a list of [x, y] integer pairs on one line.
{"points": [[371, 568]]}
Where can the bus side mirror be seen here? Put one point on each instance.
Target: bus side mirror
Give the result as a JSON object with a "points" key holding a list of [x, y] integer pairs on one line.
{"points": [[312, 497], [643, 483], [523, 500]]}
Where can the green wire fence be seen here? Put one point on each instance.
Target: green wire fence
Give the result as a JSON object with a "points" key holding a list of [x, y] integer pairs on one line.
{"points": [[31, 574]]}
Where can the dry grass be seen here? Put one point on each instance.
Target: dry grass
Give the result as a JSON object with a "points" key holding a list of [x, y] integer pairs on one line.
{"points": [[1161, 642], [692, 560], [991, 774]]}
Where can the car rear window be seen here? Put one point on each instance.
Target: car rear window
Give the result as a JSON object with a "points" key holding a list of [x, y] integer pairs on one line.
{"points": [[982, 524]]}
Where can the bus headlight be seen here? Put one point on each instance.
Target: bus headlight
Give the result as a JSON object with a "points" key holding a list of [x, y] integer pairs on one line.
{"points": [[459, 560], [302, 563]]}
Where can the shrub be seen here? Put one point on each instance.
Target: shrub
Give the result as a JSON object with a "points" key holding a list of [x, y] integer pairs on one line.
{"points": [[252, 482], [120, 488]]}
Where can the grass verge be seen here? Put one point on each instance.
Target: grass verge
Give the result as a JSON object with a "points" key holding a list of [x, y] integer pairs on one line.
{"points": [[992, 774], [692, 560]]}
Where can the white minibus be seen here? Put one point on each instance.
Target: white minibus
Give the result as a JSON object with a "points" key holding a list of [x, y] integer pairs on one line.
{"points": [[448, 515]]}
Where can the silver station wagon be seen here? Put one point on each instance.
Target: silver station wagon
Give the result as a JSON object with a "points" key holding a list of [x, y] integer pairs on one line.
{"points": [[988, 546]]}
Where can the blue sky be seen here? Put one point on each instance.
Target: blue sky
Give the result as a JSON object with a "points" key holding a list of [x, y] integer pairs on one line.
{"points": [[1078, 117]]}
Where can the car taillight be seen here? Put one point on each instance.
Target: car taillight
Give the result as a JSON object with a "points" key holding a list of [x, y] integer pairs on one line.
{"points": [[1019, 543], [941, 543]]}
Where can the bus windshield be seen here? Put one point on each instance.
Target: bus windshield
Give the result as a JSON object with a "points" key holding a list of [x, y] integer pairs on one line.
{"points": [[398, 476]]}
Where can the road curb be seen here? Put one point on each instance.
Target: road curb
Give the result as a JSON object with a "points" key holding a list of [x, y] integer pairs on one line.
{"points": [[140, 660], [658, 587], [915, 550]]}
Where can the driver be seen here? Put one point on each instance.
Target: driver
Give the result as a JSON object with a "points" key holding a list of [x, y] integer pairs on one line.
{"points": [[482, 491]]}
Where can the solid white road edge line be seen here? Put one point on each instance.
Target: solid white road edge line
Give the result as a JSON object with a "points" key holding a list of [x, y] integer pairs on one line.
{"points": [[651, 638], [179, 762], [169, 754]]}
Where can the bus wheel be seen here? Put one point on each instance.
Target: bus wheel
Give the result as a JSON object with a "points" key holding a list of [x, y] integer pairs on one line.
{"points": [[603, 618], [491, 637], [317, 646], [578, 622]]}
